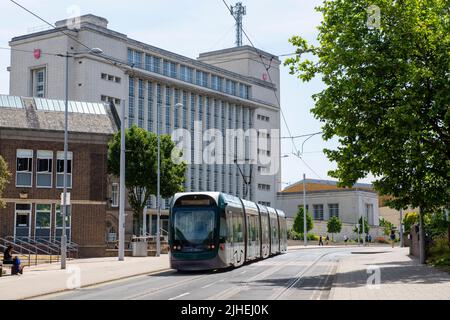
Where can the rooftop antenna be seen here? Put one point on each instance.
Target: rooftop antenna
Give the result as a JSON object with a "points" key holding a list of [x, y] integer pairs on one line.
{"points": [[238, 12]]}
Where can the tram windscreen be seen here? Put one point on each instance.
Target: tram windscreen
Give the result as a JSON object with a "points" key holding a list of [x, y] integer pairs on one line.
{"points": [[194, 227]]}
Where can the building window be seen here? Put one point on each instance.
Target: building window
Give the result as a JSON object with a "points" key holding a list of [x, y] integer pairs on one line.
{"points": [[131, 103], [333, 210], [23, 215], [135, 58], [150, 106], [115, 195], [141, 104], [44, 169], [185, 112], [168, 107], [318, 211], [152, 64], [39, 82], [202, 79], [264, 187], [262, 118], [176, 116], [170, 69], [111, 78], [265, 203], [59, 217], [24, 169], [43, 216], [60, 170], [187, 74]]}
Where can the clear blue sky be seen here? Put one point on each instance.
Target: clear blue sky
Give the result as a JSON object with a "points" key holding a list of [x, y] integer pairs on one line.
{"points": [[189, 27]]}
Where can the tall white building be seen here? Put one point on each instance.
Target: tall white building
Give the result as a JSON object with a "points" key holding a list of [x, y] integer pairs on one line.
{"points": [[225, 89]]}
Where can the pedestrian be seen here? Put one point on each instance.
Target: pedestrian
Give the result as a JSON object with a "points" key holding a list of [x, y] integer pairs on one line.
{"points": [[321, 241], [327, 240], [7, 255], [392, 238], [345, 239], [17, 268], [370, 238]]}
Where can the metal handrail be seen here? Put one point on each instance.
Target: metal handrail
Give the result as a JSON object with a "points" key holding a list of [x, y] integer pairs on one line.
{"points": [[28, 242], [50, 244], [20, 247], [51, 248]]}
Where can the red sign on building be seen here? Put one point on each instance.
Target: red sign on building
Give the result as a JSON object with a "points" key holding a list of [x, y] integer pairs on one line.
{"points": [[37, 54]]}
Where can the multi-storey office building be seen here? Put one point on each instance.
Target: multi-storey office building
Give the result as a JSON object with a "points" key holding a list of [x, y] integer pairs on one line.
{"points": [[226, 89]]}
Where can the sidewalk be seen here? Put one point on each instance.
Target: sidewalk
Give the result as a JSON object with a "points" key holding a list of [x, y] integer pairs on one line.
{"points": [[46, 279], [402, 278]]}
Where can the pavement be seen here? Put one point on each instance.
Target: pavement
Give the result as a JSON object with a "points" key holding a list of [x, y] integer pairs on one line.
{"points": [[319, 273], [392, 275], [49, 278]]}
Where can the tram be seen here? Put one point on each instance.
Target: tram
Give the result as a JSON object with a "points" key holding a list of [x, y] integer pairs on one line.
{"points": [[212, 230]]}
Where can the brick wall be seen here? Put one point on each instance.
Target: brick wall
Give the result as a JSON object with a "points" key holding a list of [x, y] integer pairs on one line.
{"points": [[88, 195]]}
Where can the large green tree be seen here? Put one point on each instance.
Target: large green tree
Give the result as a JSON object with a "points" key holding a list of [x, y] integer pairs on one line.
{"points": [[5, 175], [141, 168], [334, 226], [299, 224], [387, 96]]}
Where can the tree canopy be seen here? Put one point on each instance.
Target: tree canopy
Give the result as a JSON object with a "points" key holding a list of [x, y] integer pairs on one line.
{"points": [[387, 95], [5, 175], [299, 224], [334, 225], [385, 65], [141, 168]]}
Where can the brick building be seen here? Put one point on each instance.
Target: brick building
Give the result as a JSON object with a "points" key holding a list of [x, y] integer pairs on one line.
{"points": [[32, 143]]}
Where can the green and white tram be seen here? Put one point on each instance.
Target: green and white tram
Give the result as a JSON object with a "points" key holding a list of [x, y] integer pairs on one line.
{"points": [[211, 230]]}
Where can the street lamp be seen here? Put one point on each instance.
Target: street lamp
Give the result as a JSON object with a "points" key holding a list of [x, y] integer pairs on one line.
{"points": [[68, 55], [158, 197]]}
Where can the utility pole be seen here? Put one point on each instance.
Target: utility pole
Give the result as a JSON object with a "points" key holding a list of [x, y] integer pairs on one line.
{"points": [[238, 12], [122, 185], [305, 237], [401, 229], [66, 150]]}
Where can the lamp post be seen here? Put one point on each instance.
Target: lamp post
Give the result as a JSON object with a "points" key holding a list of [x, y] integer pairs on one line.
{"points": [[66, 151], [158, 197]]}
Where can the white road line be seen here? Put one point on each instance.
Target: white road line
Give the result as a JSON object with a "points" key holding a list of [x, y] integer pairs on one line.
{"points": [[180, 296], [211, 284]]}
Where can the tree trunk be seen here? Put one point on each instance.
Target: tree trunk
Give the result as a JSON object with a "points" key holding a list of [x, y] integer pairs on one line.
{"points": [[423, 257]]}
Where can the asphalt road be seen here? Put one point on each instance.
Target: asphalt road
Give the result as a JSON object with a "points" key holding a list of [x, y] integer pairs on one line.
{"points": [[298, 275]]}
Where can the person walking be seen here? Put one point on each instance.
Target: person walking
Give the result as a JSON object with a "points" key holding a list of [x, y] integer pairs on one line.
{"points": [[392, 238], [321, 241], [345, 239], [328, 240]]}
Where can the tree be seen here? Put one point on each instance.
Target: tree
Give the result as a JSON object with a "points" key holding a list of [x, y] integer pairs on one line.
{"points": [[141, 169], [409, 220], [5, 175], [387, 226], [299, 224], [386, 97], [334, 226]]}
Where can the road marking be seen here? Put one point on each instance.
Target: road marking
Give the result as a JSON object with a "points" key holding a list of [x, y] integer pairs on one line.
{"points": [[180, 296], [211, 284]]}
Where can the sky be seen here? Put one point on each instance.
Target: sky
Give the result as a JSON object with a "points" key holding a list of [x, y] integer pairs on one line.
{"points": [[190, 27]]}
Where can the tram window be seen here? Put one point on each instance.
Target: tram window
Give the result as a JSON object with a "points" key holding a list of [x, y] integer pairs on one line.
{"points": [[223, 229], [238, 228]]}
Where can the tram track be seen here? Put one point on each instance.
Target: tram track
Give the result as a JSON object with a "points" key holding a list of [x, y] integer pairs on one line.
{"points": [[284, 292]]}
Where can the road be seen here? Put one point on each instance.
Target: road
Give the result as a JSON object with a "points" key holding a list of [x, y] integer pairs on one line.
{"points": [[305, 274]]}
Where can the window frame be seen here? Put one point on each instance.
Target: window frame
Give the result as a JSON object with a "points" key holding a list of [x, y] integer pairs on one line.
{"points": [[30, 172], [43, 172], [60, 157], [42, 211], [114, 195]]}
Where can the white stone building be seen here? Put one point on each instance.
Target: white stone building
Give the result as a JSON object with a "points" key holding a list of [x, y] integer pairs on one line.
{"points": [[225, 89], [324, 200]]}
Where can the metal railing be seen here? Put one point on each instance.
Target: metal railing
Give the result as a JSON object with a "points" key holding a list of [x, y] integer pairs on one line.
{"points": [[22, 251], [40, 247]]}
